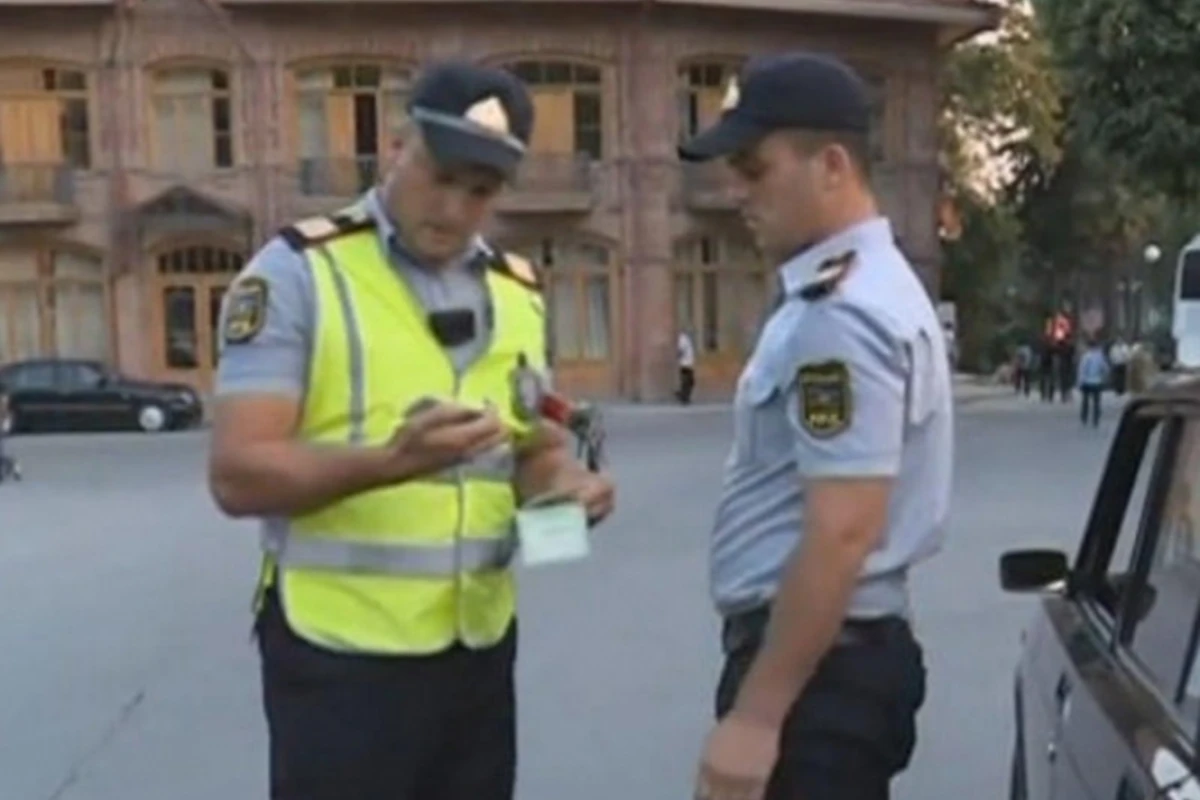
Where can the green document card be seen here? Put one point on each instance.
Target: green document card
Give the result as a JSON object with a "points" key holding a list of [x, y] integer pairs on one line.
{"points": [[552, 533]]}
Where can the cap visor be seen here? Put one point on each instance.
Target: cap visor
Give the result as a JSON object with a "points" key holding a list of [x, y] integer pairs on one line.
{"points": [[455, 147], [731, 134]]}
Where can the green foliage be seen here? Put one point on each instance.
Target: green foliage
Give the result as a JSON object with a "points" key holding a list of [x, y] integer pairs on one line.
{"points": [[980, 267], [1130, 66], [1001, 101], [1092, 111], [1002, 117]]}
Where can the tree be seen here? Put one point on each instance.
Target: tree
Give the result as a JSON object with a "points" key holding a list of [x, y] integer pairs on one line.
{"points": [[1130, 65], [1002, 113]]}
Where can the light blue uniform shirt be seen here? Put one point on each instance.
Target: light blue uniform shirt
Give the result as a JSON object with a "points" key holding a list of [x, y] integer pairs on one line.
{"points": [[1093, 368], [276, 360], [880, 324]]}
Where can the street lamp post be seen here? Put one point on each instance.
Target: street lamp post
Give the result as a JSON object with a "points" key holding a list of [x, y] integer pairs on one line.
{"points": [[1150, 256]]}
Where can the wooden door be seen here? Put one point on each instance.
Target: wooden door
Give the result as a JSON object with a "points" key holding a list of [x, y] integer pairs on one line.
{"points": [[188, 310]]}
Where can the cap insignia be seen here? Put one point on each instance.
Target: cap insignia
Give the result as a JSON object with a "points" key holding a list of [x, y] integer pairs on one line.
{"points": [[489, 113], [733, 95]]}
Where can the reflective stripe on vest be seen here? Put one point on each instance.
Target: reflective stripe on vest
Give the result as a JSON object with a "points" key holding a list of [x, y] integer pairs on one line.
{"points": [[427, 561], [475, 551], [413, 567]]}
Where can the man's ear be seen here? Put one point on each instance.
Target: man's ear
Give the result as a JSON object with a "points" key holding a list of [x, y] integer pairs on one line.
{"points": [[837, 164]]}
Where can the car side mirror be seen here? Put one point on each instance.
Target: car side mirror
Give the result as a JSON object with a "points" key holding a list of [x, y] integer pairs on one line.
{"points": [[1033, 570]]}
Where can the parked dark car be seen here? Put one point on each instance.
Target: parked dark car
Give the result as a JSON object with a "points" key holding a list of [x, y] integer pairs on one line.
{"points": [[80, 395], [1107, 698]]}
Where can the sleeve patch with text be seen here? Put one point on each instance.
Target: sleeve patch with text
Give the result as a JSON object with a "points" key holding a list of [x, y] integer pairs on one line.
{"points": [[247, 310], [826, 404]]}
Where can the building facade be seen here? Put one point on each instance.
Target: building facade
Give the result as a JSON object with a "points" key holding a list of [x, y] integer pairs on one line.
{"points": [[147, 147]]}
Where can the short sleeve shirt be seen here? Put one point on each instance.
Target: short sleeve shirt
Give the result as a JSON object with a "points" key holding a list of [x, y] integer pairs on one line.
{"points": [[852, 383]]}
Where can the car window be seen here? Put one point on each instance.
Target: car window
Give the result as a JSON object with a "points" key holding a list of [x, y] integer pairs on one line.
{"points": [[1120, 565], [31, 376], [79, 376], [1165, 615]]}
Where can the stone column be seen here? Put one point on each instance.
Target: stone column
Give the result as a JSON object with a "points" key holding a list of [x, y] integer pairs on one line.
{"points": [[648, 167]]}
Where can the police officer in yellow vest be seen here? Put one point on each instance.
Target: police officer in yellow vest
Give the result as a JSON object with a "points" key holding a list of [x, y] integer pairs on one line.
{"points": [[367, 411]]}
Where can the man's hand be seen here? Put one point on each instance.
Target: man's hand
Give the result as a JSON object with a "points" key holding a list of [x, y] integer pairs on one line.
{"points": [[441, 435], [594, 491], [738, 758]]}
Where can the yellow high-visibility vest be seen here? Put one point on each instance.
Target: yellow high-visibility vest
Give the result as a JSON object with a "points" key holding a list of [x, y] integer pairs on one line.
{"points": [[412, 568]]}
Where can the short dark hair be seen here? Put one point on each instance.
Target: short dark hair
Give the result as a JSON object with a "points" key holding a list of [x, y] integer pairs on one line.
{"points": [[856, 143]]}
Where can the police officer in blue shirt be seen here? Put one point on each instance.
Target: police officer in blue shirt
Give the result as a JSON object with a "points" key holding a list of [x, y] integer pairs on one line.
{"points": [[839, 477]]}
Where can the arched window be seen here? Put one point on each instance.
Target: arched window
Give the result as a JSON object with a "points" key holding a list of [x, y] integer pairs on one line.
{"points": [[344, 114], [193, 119], [579, 297], [720, 293], [53, 301], [568, 107], [702, 87]]}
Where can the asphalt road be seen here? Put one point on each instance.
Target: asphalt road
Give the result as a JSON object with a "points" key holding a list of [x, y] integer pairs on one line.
{"points": [[126, 670]]}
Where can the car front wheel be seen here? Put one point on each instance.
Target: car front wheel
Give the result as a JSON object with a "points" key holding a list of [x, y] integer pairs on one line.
{"points": [[152, 418]]}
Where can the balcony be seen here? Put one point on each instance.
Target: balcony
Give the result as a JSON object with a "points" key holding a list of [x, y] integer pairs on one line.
{"points": [[337, 177], [37, 194], [549, 184], [706, 187]]}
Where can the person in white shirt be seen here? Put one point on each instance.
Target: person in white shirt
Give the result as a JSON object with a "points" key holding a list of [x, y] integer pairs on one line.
{"points": [[686, 352], [1118, 357]]}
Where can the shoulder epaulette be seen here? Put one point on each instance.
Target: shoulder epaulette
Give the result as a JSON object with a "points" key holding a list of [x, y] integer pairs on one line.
{"points": [[830, 274], [316, 230], [519, 268]]}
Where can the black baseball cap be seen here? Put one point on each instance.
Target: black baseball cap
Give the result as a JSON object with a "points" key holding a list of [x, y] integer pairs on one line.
{"points": [[472, 115], [799, 90]]}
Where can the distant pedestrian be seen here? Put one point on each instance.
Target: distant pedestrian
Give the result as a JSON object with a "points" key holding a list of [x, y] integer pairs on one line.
{"points": [[1023, 369], [1065, 361], [1046, 371], [686, 353], [1118, 359], [1093, 377], [9, 469]]}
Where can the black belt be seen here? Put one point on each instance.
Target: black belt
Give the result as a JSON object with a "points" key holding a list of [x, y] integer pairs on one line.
{"points": [[747, 629]]}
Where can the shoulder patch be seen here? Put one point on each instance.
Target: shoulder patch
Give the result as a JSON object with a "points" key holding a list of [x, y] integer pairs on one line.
{"points": [[830, 273], [825, 397], [315, 230], [245, 310], [518, 268]]}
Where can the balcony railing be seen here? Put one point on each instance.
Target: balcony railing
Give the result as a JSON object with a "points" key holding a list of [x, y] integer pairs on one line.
{"points": [[550, 182], [33, 194], [338, 177], [37, 184]]}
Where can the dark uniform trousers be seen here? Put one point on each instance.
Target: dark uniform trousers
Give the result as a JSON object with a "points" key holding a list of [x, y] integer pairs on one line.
{"points": [[351, 727], [853, 728]]}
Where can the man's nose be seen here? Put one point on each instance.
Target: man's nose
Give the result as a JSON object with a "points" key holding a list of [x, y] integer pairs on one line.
{"points": [[454, 205]]}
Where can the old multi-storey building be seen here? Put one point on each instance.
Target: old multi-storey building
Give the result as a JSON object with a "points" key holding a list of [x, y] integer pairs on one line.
{"points": [[148, 146]]}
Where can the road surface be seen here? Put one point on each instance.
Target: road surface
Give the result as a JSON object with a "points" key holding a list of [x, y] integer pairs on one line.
{"points": [[126, 670]]}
